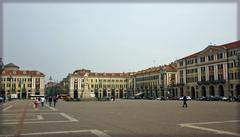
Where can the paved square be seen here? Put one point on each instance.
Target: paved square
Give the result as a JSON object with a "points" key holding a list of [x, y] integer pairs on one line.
{"points": [[122, 118]]}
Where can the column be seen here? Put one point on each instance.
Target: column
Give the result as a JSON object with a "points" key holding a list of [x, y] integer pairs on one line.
{"points": [[199, 73], [207, 73], [225, 71], [215, 72]]}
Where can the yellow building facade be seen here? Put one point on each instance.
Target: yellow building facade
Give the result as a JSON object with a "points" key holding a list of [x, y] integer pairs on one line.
{"points": [[21, 84], [87, 84]]}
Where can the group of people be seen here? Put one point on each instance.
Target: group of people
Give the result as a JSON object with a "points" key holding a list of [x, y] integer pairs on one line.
{"points": [[42, 100]]}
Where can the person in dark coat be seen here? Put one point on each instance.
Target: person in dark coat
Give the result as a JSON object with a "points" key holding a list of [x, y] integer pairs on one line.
{"points": [[184, 101], [50, 101], [54, 101]]}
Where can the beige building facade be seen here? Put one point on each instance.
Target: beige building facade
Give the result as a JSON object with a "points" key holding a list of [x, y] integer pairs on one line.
{"points": [[214, 71], [156, 81]]}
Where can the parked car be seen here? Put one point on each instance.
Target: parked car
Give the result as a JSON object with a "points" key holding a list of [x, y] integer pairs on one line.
{"points": [[201, 98], [131, 97], [188, 98], [225, 98], [236, 99], [137, 97], [172, 98], [213, 98], [161, 98], [1, 99], [150, 98]]}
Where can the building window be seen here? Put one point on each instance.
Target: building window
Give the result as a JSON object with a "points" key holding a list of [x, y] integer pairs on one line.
{"points": [[202, 59], [211, 68], [220, 76], [220, 66], [230, 53], [230, 65], [230, 76], [196, 60], [219, 55], [210, 57], [211, 77], [203, 78], [181, 63]]}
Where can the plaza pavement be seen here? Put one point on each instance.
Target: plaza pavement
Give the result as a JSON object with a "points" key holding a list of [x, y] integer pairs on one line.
{"points": [[122, 118]]}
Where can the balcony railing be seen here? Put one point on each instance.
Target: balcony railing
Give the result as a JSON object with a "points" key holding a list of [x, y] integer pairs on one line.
{"points": [[211, 82], [180, 84]]}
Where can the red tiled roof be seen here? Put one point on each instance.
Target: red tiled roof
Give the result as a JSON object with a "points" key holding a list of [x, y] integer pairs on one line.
{"points": [[231, 45], [22, 73], [148, 70], [93, 74], [98, 74], [170, 67]]}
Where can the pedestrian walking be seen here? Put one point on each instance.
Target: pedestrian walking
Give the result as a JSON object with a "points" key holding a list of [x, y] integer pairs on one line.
{"points": [[54, 101], [184, 101], [50, 101], [46, 99], [42, 101], [35, 104]]}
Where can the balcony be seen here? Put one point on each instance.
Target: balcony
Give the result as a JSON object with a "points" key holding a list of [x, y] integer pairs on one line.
{"points": [[180, 84], [211, 82]]}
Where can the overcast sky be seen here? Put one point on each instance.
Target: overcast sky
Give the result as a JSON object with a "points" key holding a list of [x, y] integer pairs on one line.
{"points": [[57, 39]]}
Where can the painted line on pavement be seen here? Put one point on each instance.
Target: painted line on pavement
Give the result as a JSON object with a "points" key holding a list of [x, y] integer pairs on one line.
{"points": [[53, 109], [8, 114], [99, 133], [7, 108], [29, 111], [193, 125], [214, 122], [40, 117], [93, 131], [68, 117], [15, 120], [37, 122]]}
